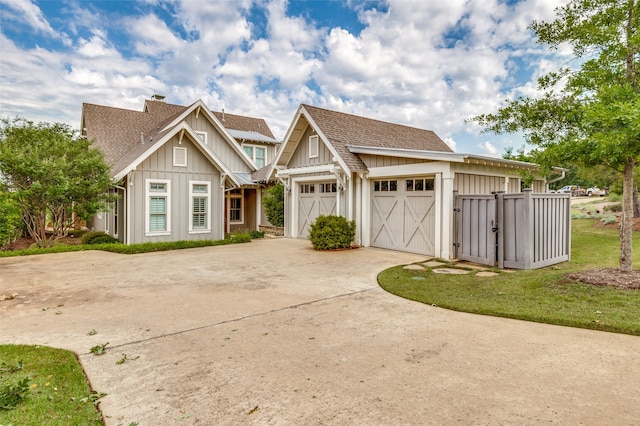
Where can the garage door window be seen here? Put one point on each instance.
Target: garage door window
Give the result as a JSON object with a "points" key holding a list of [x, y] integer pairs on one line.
{"points": [[308, 188], [328, 187], [385, 185], [420, 184]]}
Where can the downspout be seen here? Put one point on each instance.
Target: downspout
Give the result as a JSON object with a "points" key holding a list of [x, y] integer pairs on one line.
{"points": [[555, 180]]}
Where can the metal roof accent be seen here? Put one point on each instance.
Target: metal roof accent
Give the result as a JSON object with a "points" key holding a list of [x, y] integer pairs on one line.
{"points": [[251, 136]]}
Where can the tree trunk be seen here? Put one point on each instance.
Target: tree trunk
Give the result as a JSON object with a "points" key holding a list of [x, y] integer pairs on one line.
{"points": [[636, 206], [626, 224]]}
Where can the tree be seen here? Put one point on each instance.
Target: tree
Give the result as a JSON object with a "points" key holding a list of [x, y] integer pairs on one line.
{"points": [[10, 218], [589, 115], [273, 204], [53, 175]]}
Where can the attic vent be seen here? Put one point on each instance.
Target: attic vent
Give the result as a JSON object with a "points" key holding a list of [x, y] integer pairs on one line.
{"points": [[157, 97], [222, 114]]}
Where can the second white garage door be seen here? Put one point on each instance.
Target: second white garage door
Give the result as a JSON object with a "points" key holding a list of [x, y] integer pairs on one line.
{"points": [[402, 214], [314, 199]]}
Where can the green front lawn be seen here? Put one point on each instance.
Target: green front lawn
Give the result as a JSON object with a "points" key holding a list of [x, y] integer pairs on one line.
{"points": [[44, 386], [543, 295]]}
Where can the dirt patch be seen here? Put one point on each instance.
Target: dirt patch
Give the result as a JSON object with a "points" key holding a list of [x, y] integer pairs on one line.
{"points": [[24, 243], [610, 277]]}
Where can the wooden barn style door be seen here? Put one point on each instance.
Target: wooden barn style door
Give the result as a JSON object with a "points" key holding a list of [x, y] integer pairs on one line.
{"points": [[521, 231], [315, 199]]}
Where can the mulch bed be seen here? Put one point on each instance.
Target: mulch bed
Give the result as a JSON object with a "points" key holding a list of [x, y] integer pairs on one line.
{"points": [[610, 277]]}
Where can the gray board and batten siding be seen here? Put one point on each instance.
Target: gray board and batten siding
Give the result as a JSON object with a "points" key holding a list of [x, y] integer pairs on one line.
{"points": [[520, 231], [159, 166]]}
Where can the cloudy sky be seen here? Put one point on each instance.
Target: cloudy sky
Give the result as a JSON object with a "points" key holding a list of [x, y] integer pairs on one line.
{"points": [[426, 63]]}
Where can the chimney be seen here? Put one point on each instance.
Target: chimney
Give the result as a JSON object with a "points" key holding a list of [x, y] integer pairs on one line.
{"points": [[222, 114], [157, 97]]}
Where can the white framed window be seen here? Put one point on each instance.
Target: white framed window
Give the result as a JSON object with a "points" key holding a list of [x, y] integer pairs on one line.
{"points": [[202, 136], [235, 206], [258, 154], [158, 207], [199, 206], [420, 184], [328, 187], [179, 156], [308, 188], [313, 146], [385, 185]]}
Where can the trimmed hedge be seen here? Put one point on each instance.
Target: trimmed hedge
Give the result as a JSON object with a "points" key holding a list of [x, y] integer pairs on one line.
{"points": [[332, 232], [97, 237]]}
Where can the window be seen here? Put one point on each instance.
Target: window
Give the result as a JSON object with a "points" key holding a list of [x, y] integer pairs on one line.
{"points": [[308, 188], [234, 206], [199, 197], [202, 136], [179, 157], [385, 185], [420, 184], [258, 154], [313, 146], [158, 217], [328, 187]]}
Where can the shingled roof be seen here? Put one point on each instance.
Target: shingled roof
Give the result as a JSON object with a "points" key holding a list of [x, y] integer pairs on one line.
{"points": [[117, 132], [342, 130]]}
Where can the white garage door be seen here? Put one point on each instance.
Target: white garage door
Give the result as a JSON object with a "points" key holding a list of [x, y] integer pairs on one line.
{"points": [[314, 199], [402, 214]]}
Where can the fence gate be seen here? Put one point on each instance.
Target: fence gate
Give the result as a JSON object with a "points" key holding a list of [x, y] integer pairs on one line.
{"points": [[522, 231], [476, 228]]}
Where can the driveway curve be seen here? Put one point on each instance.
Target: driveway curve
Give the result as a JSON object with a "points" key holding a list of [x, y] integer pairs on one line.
{"points": [[272, 332]]}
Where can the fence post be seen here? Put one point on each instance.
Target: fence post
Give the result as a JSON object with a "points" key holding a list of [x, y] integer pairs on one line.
{"points": [[528, 229], [456, 218], [500, 226]]}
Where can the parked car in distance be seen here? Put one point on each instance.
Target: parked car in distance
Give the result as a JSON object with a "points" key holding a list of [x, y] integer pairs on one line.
{"points": [[574, 190], [594, 190]]}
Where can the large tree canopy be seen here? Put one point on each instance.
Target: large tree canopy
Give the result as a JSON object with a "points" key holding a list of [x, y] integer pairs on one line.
{"points": [[53, 175], [589, 114]]}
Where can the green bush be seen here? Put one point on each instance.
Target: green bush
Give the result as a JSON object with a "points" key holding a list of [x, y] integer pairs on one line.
{"points": [[256, 234], [616, 208], [332, 232], [97, 237], [10, 219], [273, 203]]}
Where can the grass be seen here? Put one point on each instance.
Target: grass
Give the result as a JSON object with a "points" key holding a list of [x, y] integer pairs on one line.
{"points": [[53, 385], [543, 295], [129, 249]]}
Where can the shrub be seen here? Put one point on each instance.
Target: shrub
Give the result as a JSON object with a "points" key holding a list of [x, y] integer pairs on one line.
{"points": [[256, 234], [332, 232], [97, 237], [273, 203], [10, 219], [616, 208], [608, 219]]}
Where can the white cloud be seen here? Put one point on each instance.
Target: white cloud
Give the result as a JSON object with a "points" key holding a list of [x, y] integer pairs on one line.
{"points": [[404, 66], [29, 13], [487, 148]]}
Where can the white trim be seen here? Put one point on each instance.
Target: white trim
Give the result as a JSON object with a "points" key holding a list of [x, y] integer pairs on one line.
{"points": [[258, 208], [314, 145], [408, 170], [253, 156], [148, 194], [176, 149], [207, 194], [206, 150], [326, 168], [205, 136]]}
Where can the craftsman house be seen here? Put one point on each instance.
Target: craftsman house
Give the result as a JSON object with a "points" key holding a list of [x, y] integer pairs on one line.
{"points": [[183, 172], [398, 183]]}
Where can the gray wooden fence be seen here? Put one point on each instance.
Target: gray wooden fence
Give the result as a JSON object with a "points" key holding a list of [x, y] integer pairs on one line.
{"points": [[521, 231]]}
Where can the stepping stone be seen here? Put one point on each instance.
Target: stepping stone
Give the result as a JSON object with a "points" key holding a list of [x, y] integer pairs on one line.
{"points": [[414, 267], [451, 271], [433, 263], [486, 274], [474, 266]]}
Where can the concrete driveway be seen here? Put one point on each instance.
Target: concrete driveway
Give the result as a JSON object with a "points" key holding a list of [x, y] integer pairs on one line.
{"points": [[273, 332]]}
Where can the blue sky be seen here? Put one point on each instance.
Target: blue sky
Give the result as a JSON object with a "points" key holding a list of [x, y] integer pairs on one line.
{"points": [[426, 63]]}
